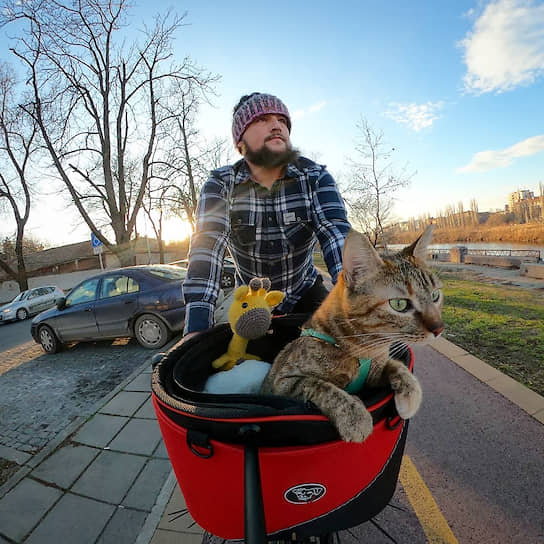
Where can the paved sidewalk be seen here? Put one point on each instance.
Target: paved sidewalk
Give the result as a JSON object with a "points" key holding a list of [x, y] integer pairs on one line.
{"points": [[106, 480]]}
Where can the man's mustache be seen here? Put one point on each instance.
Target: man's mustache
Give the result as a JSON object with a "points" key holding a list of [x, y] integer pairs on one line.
{"points": [[272, 136]]}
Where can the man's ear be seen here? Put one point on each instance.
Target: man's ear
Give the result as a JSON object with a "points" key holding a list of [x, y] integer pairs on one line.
{"points": [[359, 258]]}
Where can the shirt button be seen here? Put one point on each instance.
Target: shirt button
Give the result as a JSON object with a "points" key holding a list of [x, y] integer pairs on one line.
{"points": [[270, 219]]}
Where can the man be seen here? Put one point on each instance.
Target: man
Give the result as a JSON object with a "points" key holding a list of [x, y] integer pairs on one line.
{"points": [[269, 209]]}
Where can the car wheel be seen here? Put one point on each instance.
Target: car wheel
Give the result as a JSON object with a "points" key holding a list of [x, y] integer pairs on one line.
{"points": [[48, 340], [22, 314], [150, 331], [227, 281]]}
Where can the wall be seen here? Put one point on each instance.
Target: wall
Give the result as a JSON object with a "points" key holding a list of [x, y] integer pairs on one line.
{"points": [[10, 289]]}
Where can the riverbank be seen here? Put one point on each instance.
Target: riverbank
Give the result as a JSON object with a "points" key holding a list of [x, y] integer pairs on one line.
{"points": [[532, 233]]}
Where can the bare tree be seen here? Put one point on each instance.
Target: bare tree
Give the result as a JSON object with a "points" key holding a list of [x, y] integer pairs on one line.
{"points": [[17, 145], [374, 181], [474, 211], [176, 180], [103, 107]]}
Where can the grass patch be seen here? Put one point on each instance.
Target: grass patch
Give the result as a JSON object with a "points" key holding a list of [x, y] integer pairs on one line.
{"points": [[501, 325]]}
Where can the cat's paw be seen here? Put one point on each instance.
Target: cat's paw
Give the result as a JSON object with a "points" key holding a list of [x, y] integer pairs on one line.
{"points": [[353, 422], [408, 395]]}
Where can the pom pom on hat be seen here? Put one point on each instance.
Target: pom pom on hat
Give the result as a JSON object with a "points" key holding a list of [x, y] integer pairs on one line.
{"points": [[256, 105]]}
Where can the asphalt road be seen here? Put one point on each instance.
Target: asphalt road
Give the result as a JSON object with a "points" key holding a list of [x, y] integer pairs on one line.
{"points": [[14, 333]]}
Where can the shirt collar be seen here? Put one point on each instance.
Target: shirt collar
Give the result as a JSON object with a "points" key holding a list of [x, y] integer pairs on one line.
{"points": [[243, 173]]}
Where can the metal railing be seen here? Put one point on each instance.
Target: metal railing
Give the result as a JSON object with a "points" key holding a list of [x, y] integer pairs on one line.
{"points": [[505, 252]]}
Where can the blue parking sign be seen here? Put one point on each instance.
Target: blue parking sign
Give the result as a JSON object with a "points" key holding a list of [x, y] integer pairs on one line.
{"points": [[95, 242]]}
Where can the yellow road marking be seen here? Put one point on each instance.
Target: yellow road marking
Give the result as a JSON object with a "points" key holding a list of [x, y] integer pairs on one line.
{"points": [[432, 521]]}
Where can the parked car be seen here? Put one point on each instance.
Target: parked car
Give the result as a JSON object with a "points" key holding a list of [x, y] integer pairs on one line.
{"points": [[228, 276], [145, 302], [30, 302]]}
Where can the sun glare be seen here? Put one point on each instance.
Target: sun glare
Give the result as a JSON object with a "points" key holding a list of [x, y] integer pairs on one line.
{"points": [[175, 229]]}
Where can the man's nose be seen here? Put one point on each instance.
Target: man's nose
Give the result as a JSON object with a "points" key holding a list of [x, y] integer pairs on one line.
{"points": [[275, 123]]}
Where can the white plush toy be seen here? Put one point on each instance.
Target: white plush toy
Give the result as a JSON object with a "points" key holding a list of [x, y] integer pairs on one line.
{"points": [[245, 378]]}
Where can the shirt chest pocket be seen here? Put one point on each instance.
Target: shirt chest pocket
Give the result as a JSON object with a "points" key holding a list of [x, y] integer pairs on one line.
{"points": [[243, 229], [297, 229]]}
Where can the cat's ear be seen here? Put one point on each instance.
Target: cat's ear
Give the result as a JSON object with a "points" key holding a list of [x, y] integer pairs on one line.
{"points": [[359, 258], [419, 248]]}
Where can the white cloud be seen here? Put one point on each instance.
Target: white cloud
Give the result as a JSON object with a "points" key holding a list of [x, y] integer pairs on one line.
{"points": [[416, 116], [489, 160], [312, 109], [505, 49]]}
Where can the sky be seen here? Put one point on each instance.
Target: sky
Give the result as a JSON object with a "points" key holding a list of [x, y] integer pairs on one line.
{"points": [[456, 87]]}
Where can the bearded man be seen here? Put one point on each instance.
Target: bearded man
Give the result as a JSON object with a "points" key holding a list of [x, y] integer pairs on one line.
{"points": [[269, 209]]}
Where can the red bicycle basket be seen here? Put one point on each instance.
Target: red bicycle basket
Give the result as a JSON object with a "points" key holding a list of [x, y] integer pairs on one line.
{"points": [[312, 482]]}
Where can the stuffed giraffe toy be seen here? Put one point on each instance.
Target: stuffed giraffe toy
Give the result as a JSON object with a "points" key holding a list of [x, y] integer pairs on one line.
{"points": [[249, 318]]}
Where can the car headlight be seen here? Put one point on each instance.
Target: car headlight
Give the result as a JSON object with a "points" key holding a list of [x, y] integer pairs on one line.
{"points": [[7, 311]]}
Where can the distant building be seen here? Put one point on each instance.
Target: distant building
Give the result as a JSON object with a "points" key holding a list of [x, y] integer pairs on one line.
{"points": [[518, 196]]}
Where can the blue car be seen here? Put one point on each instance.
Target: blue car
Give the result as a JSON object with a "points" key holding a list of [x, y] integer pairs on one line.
{"points": [[144, 302]]}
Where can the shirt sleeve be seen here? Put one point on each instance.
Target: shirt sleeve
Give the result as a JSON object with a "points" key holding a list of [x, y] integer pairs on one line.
{"points": [[208, 244], [330, 221]]}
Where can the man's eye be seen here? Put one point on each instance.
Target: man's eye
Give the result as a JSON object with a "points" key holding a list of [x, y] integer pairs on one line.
{"points": [[399, 304]]}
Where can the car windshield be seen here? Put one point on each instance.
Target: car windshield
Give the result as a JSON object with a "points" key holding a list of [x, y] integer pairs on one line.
{"points": [[21, 296], [168, 272]]}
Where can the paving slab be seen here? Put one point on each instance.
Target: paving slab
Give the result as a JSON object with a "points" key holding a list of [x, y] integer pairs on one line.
{"points": [[125, 403], [140, 436], [146, 411], [65, 466], [143, 494], [124, 527], [161, 451], [73, 519], [23, 507], [109, 476], [100, 430], [142, 383]]}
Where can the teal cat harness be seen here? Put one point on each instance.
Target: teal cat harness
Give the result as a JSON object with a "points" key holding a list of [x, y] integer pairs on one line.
{"points": [[364, 364]]}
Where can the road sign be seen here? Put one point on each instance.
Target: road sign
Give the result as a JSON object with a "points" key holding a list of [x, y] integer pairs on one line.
{"points": [[97, 245]]}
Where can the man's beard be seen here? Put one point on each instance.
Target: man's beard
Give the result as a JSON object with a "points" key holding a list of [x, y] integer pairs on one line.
{"points": [[267, 158]]}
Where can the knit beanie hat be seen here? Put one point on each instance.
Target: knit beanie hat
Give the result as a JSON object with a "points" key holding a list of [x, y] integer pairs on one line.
{"points": [[257, 104]]}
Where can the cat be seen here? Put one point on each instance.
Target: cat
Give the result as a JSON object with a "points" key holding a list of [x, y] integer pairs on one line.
{"points": [[377, 301]]}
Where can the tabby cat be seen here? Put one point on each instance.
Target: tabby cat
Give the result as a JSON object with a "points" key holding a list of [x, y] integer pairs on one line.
{"points": [[377, 301]]}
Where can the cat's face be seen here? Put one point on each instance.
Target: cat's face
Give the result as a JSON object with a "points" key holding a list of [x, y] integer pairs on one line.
{"points": [[395, 295]]}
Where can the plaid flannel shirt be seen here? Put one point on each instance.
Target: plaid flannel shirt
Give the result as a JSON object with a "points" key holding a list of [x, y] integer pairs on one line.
{"points": [[269, 233]]}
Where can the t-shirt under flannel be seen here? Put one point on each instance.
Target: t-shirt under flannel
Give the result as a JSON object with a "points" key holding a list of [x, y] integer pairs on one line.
{"points": [[269, 233]]}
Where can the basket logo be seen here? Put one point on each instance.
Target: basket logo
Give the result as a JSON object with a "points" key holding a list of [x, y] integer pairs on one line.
{"points": [[305, 493]]}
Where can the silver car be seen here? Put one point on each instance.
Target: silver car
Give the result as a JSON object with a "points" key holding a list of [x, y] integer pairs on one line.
{"points": [[31, 302]]}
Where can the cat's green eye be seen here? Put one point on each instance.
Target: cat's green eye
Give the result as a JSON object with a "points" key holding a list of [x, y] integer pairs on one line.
{"points": [[399, 304], [435, 295]]}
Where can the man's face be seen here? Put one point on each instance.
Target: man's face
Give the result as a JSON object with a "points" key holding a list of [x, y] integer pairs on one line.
{"points": [[266, 141]]}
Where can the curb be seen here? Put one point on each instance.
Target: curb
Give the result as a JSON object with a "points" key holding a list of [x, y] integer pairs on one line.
{"points": [[530, 402]]}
